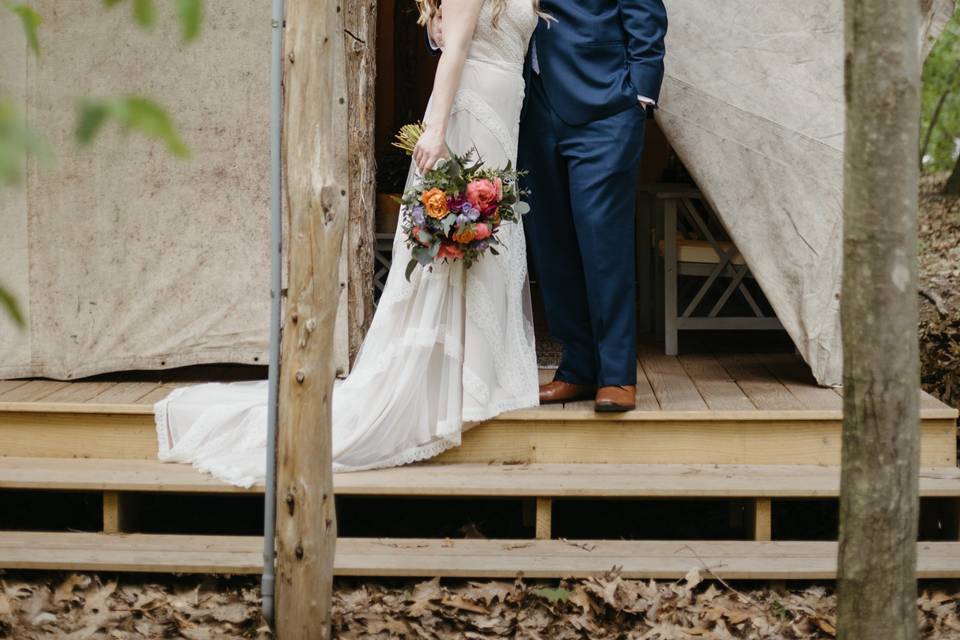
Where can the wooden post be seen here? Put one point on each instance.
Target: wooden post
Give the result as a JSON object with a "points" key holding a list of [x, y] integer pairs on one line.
{"points": [[315, 140], [544, 528], [877, 586], [360, 32], [762, 519]]}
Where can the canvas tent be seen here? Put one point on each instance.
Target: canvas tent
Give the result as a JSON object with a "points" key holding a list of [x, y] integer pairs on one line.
{"points": [[126, 259]]}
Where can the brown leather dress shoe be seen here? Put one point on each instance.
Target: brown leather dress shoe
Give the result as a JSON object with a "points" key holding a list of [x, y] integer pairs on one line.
{"points": [[616, 399], [559, 391]]}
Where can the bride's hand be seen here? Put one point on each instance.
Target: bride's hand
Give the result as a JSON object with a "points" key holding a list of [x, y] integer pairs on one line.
{"points": [[430, 148]]}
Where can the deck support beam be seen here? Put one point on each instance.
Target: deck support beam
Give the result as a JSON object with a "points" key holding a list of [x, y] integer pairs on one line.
{"points": [[762, 519], [544, 527]]}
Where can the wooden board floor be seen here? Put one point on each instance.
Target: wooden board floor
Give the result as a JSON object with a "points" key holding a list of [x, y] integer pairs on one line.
{"points": [[453, 558], [691, 409], [744, 383]]}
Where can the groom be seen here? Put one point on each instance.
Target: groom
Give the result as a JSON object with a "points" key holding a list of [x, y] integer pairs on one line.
{"points": [[592, 75]]}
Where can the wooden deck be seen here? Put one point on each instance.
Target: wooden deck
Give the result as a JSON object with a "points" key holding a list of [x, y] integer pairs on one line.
{"points": [[747, 430], [695, 409]]}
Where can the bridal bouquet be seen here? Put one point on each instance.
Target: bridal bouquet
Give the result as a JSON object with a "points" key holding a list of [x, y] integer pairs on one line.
{"points": [[455, 211]]}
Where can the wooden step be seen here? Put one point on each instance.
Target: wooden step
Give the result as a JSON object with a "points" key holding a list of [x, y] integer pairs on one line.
{"points": [[696, 409], [472, 480], [452, 558]]}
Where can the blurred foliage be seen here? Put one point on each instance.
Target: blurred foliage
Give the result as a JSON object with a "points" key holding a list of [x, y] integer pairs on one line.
{"points": [[941, 101], [131, 113]]}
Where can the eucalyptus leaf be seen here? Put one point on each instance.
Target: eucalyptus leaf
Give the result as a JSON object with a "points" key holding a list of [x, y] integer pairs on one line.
{"points": [[521, 208], [434, 250], [424, 237], [422, 255], [410, 267], [144, 12]]}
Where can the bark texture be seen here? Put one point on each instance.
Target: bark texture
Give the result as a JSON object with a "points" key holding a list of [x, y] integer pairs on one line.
{"points": [[315, 141], [359, 35], [878, 504]]}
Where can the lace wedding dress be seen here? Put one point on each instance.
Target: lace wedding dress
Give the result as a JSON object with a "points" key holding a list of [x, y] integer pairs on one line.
{"points": [[450, 348]]}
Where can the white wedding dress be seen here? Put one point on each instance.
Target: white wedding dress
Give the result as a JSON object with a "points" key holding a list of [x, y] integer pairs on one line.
{"points": [[450, 348]]}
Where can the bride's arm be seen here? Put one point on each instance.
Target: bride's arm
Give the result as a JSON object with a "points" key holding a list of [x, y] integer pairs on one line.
{"points": [[459, 22]]}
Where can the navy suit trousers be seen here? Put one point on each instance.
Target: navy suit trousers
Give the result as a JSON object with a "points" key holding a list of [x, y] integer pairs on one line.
{"points": [[581, 234]]}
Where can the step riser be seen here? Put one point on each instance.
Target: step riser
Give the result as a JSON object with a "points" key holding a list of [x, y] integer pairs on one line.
{"points": [[790, 442], [455, 559]]}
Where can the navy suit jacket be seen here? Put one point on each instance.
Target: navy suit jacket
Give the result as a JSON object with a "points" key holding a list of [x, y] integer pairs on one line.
{"points": [[598, 56]]}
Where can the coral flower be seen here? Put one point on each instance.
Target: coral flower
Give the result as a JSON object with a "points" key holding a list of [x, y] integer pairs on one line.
{"points": [[451, 251], [435, 202], [482, 232], [482, 194]]}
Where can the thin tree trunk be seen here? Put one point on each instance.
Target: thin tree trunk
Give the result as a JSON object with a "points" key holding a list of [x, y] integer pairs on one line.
{"points": [[878, 503], [360, 33], [315, 162]]}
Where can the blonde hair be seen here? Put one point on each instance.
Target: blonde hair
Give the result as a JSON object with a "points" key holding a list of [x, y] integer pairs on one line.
{"points": [[429, 8]]}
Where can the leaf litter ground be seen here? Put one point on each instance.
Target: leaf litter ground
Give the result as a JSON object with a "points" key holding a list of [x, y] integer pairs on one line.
{"points": [[78, 606]]}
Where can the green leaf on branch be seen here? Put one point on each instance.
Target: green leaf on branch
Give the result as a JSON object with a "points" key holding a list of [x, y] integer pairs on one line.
{"points": [[17, 141], [190, 13], [144, 13], [132, 113], [9, 304], [30, 20]]}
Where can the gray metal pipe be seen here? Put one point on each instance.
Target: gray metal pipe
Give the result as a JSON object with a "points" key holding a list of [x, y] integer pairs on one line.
{"points": [[276, 303]]}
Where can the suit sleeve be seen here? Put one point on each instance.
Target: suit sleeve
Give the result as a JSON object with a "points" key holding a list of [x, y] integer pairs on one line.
{"points": [[645, 22]]}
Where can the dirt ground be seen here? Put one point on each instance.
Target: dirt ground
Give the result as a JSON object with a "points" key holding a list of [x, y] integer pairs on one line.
{"points": [[73, 607], [940, 290]]}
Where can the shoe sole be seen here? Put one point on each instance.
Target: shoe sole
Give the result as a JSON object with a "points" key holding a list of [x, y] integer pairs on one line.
{"points": [[613, 408], [585, 396]]}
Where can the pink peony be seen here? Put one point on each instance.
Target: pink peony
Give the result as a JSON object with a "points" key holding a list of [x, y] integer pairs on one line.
{"points": [[498, 185], [482, 194]]}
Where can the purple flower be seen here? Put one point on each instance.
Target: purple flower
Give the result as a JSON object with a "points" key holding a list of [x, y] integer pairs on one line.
{"points": [[462, 220], [471, 212], [417, 215]]}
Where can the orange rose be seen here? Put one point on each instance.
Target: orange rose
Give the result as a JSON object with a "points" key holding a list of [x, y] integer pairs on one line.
{"points": [[465, 235], [435, 202]]}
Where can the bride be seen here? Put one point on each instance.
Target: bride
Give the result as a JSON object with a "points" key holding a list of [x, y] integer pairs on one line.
{"points": [[447, 349]]}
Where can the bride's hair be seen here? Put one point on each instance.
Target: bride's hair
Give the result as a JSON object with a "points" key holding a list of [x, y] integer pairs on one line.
{"points": [[430, 7]]}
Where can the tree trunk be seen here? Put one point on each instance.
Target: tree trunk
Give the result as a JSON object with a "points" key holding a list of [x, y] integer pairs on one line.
{"points": [[878, 503], [315, 140], [360, 33]]}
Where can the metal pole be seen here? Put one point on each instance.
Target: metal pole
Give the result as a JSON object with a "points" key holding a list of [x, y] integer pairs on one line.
{"points": [[276, 254]]}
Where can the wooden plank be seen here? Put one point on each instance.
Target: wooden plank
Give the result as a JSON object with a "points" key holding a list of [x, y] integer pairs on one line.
{"points": [[544, 526], [671, 384], [763, 518], [472, 480], [125, 392], [79, 392], [930, 407], [161, 392], [718, 390], [733, 560], [764, 390], [646, 398], [33, 391], [115, 512], [80, 435], [683, 442], [795, 375], [9, 385]]}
